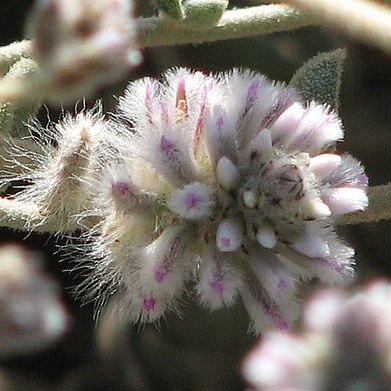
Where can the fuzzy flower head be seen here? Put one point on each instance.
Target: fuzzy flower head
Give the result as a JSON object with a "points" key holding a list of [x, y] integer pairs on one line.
{"points": [[345, 345], [32, 314], [230, 181], [79, 43]]}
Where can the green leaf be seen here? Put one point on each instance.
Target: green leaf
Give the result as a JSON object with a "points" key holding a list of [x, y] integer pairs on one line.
{"points": [[320, 78], [203, 14], [172, 8]]}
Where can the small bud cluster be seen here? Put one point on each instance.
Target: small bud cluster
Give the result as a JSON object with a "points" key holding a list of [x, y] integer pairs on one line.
{"points": [[80, 43], [345, 345], [31, 312], [60, 167], [229, 181]]}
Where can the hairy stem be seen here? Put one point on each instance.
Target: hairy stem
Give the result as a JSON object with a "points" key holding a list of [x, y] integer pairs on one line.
{"points": [[239, 23], [14, 214], [26, 216], [364, 20], [379, 207]]}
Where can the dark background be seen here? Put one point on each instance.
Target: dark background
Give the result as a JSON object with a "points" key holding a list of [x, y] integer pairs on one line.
{"points": [[203, 351]]}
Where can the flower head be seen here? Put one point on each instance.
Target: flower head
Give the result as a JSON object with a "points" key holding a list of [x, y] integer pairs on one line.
{"points": [[228, 180], [32, 314], [345, 345], [79, 43]]}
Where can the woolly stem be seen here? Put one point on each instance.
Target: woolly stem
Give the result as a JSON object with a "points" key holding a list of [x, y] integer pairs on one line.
{"points": [[15, 214], [238, 23], [379, 207], [364, 20], [26, 216]]}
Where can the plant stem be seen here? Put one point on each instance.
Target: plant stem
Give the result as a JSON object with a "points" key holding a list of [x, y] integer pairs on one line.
{"points": [[14, 214], [26, 216], [238, 23], [379, 207], [366, 21]]}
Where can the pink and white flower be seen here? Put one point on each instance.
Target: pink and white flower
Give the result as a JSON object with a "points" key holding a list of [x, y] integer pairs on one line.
{"points": [[232, 182], [32, 314], [81, 44], [345, 345]]}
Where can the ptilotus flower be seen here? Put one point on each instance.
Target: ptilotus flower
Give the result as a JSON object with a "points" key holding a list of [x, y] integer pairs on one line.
{"points": [[230, 181], [79, 44], [32, 314], [345, 345]]}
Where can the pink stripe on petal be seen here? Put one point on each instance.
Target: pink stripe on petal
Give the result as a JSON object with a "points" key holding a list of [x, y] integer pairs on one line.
{"points": [[191, 200], [228, 235], [218, 281], [149, 95], [164, 112], [159, 274], [201, 119], [282, 284], [218, 285], [220, 122], [339, 267], [120, 187], [287, 98], [251, 95], [149, 304], [166, 260], [166, 145], [267, 305], [327, 269], [225, 242]]}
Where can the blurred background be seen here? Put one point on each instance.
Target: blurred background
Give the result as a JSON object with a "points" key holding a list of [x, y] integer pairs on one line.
{"points": [[203, 350]]}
